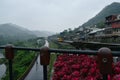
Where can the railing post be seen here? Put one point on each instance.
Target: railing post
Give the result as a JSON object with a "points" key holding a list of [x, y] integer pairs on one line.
{"points": [[44, 60], [104, 61], [9, 54]]}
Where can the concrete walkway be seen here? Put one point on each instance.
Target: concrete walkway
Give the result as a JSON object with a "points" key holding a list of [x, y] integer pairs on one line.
{"points": [[36, 72]]}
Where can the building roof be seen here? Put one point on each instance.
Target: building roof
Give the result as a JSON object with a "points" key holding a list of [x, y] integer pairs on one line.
{"points": [[96, 30]]}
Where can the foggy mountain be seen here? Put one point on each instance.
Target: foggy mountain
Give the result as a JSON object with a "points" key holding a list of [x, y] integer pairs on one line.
{"points": [[11, 32]]}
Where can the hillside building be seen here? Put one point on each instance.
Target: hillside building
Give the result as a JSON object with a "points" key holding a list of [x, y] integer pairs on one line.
{"points": [[112, 28], [111, 32]]}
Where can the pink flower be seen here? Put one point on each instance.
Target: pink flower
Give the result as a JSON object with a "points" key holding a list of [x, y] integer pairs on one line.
{"points": [[76, 74], [75, 67], [89, 78], [116, 77], [117, 70], [92, 71], [66, 77], [75, 78]]}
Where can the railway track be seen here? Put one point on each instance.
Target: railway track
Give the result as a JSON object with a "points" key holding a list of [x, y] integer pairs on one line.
{"points": [[93, 45]]}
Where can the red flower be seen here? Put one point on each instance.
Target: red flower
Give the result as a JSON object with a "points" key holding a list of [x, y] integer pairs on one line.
{"points": [[75, 78], [75, 67], [116, 77], [76, 74], [66, 77], [80, 67]]}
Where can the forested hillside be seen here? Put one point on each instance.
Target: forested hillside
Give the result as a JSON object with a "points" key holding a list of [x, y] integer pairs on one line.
{"points": [[11, 32], [111, 9]]}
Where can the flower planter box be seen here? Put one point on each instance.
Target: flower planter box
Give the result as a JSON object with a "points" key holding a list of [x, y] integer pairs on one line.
{"points": [[80, 67]]}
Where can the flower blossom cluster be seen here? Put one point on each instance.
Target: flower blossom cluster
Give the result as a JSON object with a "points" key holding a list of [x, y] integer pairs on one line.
{"points": [[80, 67]]}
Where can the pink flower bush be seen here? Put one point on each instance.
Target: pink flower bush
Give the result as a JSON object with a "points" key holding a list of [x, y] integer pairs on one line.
{"points": [[80, 67]]}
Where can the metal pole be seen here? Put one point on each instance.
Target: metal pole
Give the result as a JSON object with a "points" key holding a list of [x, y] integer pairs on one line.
{"points": [[105, 77], [45, 72], [9, 54], [44, 60], [104, 62], [10, 70]]}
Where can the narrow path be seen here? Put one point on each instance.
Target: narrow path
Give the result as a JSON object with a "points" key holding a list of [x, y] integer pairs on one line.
{"points": [[36, 72]]}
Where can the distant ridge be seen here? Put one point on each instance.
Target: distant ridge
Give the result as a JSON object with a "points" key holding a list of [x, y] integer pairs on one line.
{"points": [[113, 8], [11, 32], [43, 33]]}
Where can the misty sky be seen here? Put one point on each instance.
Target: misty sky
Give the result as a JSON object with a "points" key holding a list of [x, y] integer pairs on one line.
{"points": [[50, 15]]}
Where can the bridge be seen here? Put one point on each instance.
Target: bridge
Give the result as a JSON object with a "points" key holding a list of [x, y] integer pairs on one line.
{"points": [[45, 59], [92, 45]]}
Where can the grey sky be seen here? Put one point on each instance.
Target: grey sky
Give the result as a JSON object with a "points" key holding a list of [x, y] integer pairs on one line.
{"points": [[50, 15]]}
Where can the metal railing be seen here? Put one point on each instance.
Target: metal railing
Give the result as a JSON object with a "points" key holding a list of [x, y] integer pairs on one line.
{"points": [[105, 57]]}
